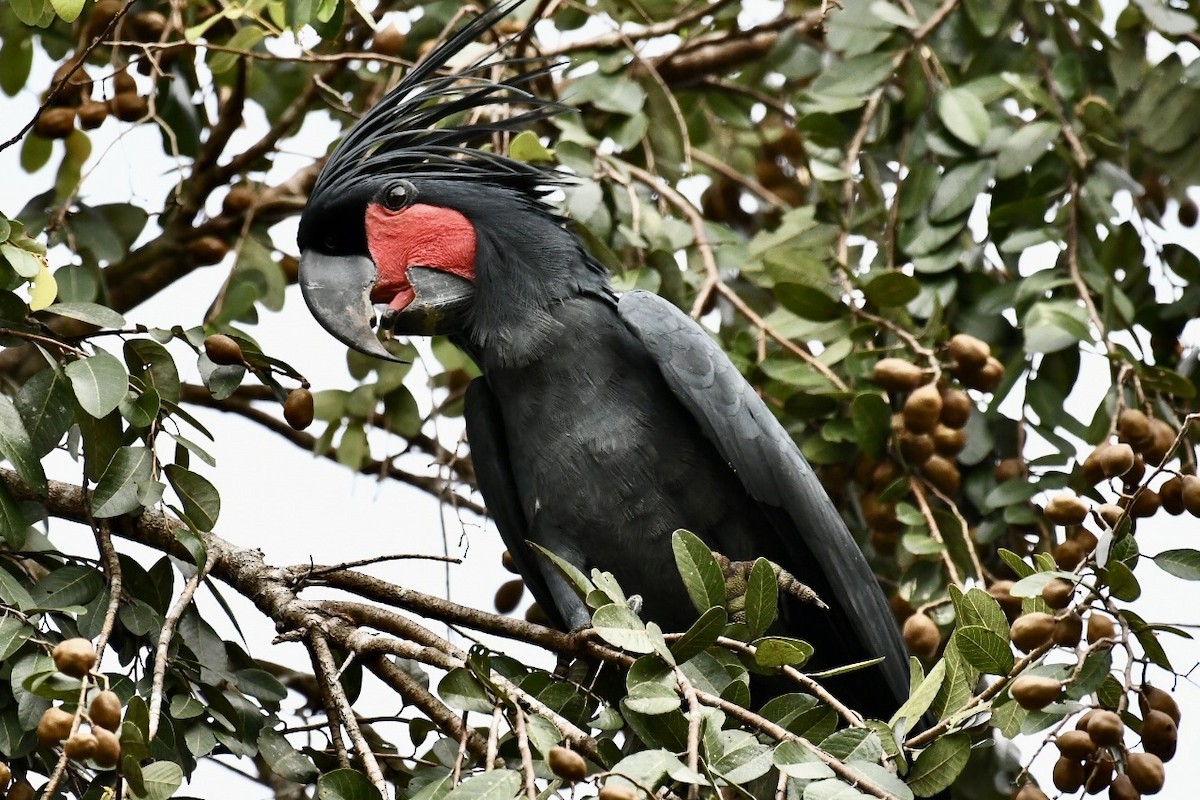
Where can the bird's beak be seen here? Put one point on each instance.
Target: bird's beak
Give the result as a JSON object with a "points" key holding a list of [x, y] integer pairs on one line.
{"points": [[337, 290], [440, 302]]}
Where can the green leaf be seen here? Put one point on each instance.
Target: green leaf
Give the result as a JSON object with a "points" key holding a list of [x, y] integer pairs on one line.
{"points": [[701, 576], [99, 382], [117, 490], [284, 760], [922, 697], [807, 302], [160, 780], [619, 626], [580, 581], [652, 698], [13, 634], [1184, 563], [101, 316], [526, 146], [743, 758], [500, 784], [25, 263], [46, 406], [977, 607], [832, 789], [346, 784], [151, 363], [762, 598], [702, 635], [797, 760], [17, 448], [461, 689], [780, 651], [939, 764], [67, 10], [984, 649], [201, 501], [245, 39], [964, 115], [67, 586], [958, 191], [13, 527], [1025, 147], [891, 289]]}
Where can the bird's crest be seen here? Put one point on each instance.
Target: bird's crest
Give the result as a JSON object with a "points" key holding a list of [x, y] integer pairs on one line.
{"points": [[400, 135]]}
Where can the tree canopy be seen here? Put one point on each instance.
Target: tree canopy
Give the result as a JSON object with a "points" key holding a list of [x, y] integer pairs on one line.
{"points": [[945, 241]]}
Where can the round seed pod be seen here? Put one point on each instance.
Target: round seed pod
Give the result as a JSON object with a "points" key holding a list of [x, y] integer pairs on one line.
{"points": [[74, 657], [1133, 427], [901, 608], [1122, 789], [1068, 630], [613, 791], [880, 516], [567, 764], [988, 377], [105, 711], [1085, 539], [1068, 775], [204, 251], [1099, 627], [21, 790], [1002, 592], [5, 776], [237, 200], [108, 748], [55, 123], [78, 84], [1145, 771], [1008, 469], [969, 353], [884, 473], [1068, 555], [1066, 509], [1076, 745], [1191, 494], [92, 114], [149, 25], [537, 615], [1106, 728], [922, 408], [1151, 697], [1035, 692], [80, 746], [1115, 459], [124, 83], [508, 563], [508, 596], [54, 726], [298, 408], [1188, 213], [1160, 734], [224, 350], [956, 408], [1058, 593], [1163, 441], [885, 541], [388, 41], [922, 636], [1030, 791], [1145, 504], [1098, 773], [1171, 495], [129, 107], [1090, 467], [103, 12], [1110, 513], [916, 448], [948, 441], [1031, 631], [942, 473]]}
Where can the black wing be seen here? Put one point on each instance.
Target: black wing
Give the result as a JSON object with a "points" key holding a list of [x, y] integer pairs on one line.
{"points": [[773, 471], [489, 456]]}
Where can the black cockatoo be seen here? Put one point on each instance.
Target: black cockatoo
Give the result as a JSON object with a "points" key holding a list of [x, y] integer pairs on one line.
{"points": [[601, 423]]}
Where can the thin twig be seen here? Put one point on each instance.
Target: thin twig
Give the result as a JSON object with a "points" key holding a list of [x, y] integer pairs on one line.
{"points": [[333, 685], [526, 755]]}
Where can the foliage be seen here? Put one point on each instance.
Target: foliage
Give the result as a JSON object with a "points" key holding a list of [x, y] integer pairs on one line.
{"points": [[830, 187]]}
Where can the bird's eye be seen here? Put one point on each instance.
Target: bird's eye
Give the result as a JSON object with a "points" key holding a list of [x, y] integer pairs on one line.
{"points": [[401, 194]]}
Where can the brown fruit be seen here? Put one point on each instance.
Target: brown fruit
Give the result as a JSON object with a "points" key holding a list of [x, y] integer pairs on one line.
{"points": [[1098, 773], [1058, 593], [916, 448], [922, 636], [1145, 771], [884, 473], [508, 596], [509, 564], [1160, 734], [968, 352], [1002, 592], [897, 375], [78, 84], [942, 473], [5, 776], [207, 250], [92, 114], [1136, 472], [1008, 469], [948, 441], [1068, 630], [901, 608], [1031, 631], [1122, 789], [1145, 504], [222, 349], [613, 791], [1110, 513], [291, 267], [54, 726], [105, 711], [108, 748], [81, 746], [1171, 495], [1099, 627], [237, 200], [1105, 727], [1191, 494], [103, 12], [1068, 775], [1066, 509], [1151, 697], [1085, 539], [1035, 692], [74, 657], [537, 615], [149, 24], [124, 83], [885, 541], [881, 516], [922, 408], [1068, 555], [55, 123], [987, 378], [388, 41], [1030, 791], [1162, 444], [1133, 427], [1076, 744], [298, 408], [1115, 459], [567, 764], [21, 790], [1188, 213], [129, 107], [956, 408]]}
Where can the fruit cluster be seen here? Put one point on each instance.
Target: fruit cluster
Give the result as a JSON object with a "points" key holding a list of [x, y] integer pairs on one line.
{"points": [[298, 409], [96, 742]]}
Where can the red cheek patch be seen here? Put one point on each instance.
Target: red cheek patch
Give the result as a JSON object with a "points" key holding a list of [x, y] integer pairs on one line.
{"points": [[416, 236]]}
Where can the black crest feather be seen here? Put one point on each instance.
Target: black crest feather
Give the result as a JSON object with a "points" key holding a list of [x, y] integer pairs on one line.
{"points": [[401, 134]]}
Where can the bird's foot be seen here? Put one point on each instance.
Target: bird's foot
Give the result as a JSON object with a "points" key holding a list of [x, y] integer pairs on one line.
{"points": [[737, 579]]}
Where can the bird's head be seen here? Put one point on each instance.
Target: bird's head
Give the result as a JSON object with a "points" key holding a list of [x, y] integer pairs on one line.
{"points": [[410, 216]]}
